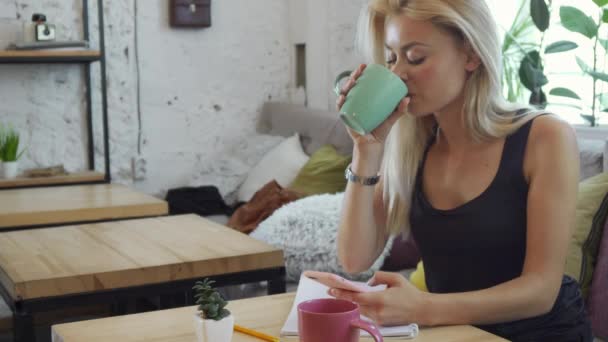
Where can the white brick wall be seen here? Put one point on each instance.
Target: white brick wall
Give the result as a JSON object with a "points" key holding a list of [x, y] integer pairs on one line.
{"points": [[201, 90]]}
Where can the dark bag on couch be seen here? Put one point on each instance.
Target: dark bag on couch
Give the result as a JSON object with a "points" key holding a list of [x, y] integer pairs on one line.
{"points": [[203, 200]]}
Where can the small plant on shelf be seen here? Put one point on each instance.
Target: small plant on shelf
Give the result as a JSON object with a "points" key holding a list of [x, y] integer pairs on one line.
{"points": [[2, 135], [9, 152], [9, 145]]}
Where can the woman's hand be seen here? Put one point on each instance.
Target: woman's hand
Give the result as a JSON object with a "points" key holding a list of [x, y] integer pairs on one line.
{"points": [[400, 303], [377, 136]]}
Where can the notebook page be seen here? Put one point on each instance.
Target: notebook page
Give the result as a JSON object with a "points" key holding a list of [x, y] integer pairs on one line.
{"points": [[310, 289]]}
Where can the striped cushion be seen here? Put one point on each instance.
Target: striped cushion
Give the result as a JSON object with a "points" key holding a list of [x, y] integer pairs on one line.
{"points": [[591, 213]]}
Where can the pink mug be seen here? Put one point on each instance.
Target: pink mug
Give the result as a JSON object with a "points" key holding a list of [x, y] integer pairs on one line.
{"points": [[329, 319]]}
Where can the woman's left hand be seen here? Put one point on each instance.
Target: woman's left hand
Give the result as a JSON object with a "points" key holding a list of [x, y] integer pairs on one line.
{"points": [[400, 303]]}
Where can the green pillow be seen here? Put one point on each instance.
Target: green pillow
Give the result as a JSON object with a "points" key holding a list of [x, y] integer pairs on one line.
{"points": [[591, 212], [323, 173]]}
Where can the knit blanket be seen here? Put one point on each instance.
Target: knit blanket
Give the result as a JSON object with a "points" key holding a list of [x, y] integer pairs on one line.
{"points": [[307, 231]]}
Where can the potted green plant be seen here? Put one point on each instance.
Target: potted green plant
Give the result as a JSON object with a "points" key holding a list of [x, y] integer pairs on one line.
{"points": [[212, 322], [531, 70], [575, 20], [9, 152]]}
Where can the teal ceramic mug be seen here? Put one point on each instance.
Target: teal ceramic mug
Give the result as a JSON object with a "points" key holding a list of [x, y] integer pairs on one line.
{"points": [[374, 97]]}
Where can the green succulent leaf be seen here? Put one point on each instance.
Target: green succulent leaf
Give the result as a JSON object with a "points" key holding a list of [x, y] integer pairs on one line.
{"points": [[575, 20], [206, 307], [212, 310], [605, 16], [564, 92], [540, 14], [223, 314], [560, 46], [209, 301]]}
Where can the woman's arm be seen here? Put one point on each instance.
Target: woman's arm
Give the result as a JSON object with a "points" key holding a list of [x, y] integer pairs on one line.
{"points": [[551, 166], [362, 232]]}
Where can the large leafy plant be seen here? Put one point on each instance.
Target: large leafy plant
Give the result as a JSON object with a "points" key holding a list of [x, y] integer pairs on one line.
{"points": [[9, 145], [517, 40], [531, 69], [577, 21], [210, 302]]}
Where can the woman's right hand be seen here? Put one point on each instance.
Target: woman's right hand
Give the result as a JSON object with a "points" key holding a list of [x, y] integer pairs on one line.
{"points": [[377, 136]]}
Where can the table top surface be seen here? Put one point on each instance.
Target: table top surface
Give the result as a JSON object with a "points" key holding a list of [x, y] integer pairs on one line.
{"points": [[63, 260], [75, 203], [266, 314]]}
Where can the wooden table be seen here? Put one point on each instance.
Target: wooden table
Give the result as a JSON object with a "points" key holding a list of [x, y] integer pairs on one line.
{"points": [[266, 314], [35, 207], [45, 269]]}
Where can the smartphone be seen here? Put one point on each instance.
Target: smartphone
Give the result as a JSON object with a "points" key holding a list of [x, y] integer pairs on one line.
{"points": [[335, 281]]}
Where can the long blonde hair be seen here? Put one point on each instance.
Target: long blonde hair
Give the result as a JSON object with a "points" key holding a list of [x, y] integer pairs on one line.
{"points": [[487, 114]]}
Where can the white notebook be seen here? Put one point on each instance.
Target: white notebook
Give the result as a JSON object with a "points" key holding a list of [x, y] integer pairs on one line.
{"points": [[310, 289]]}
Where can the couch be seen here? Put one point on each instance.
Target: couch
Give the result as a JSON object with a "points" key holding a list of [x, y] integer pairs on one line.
{"points": [[319, 127]]}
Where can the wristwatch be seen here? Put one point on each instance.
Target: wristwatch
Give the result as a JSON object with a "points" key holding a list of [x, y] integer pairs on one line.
{"points": [[351, 177]]}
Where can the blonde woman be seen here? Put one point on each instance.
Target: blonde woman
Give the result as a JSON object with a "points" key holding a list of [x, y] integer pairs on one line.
{"points": [[487, 188]]}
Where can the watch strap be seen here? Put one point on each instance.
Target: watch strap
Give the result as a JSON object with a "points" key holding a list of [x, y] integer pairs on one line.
{"points": [[352, 177]]}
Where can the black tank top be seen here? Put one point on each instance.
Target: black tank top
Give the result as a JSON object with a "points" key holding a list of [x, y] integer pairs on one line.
{"points": [[482, 242]]}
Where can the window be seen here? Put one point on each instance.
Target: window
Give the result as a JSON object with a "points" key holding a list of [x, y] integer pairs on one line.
{"points": [[562, 69]]}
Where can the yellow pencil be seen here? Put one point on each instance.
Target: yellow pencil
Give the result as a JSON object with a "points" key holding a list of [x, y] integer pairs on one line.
{"points": [[257, 334]]}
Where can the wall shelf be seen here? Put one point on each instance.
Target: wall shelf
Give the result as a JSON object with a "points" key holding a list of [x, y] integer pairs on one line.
{"points": [[84, 57], [85, 177], [49, 56]]}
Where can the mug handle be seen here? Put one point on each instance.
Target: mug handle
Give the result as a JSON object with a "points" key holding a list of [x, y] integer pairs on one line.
{"points": [[371, 328], [342, 75]]}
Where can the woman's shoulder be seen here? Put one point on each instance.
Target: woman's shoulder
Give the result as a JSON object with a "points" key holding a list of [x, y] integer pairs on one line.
{"points": [[551, 141], [550, 129]]}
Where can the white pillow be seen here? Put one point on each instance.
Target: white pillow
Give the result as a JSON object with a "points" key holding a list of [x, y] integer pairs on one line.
{"points": [[283, 163], [591, 157], [306, 230]]}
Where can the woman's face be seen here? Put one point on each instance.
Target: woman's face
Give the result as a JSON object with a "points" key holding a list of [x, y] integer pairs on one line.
{"points": [[433, 63]]}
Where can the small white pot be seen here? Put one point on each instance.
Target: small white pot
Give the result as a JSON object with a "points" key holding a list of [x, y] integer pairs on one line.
{"points": [[209, 330], [9, 169]]}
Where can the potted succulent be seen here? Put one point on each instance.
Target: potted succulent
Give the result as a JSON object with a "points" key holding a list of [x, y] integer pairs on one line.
{"points": [[212, 322], [9, 147]]}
